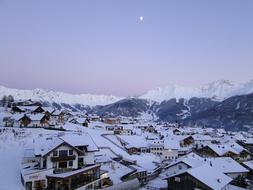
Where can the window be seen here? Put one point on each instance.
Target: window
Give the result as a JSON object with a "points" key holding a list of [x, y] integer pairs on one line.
{"points": [[63, 153], [44, 163], [80, 162], [70, 152], [179, 167], [55, 153], [177, 179], [70, 163], [63, 164]]}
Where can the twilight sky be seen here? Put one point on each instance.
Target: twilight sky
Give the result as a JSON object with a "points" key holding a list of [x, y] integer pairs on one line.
{"points": [[101, 47]]}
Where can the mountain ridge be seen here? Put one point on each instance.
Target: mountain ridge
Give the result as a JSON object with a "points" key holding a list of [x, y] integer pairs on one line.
{"points": [[217, 90]]}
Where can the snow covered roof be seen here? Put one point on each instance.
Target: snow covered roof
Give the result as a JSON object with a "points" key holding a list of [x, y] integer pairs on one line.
{"points": [[191, 159], [17, 117], [80, 140], [48, 109], [173, 141], [43, 145], [28, 108], [198, 137], [56, 112], [210, 176], [134, 140], [226, 165], [71, 173], [80, 120], [229, 147], [170, 143], [223, 164], [249, 164], [248, 141], [36, 117]]}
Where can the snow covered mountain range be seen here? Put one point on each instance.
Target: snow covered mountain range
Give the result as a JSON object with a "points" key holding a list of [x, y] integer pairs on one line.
{"points": [[58, 97], [218, 90]]}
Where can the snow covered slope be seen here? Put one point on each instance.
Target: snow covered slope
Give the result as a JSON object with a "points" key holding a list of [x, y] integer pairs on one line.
{"points": [[218, 90], [58, 97]]}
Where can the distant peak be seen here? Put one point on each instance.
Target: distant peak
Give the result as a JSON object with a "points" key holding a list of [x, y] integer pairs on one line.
{"points": [[218, 90]]}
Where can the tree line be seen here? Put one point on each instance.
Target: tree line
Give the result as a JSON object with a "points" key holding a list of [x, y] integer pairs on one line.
{"points": [[7, 100]]}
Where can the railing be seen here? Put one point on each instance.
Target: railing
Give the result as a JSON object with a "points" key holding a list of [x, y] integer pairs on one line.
{"points": [[62, 170], [63, 158]]}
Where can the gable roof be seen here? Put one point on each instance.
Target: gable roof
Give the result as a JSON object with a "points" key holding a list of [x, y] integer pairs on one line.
{"points": [[223, 164], [80, 140], [36, 117], [225, 148], [210, 176]]}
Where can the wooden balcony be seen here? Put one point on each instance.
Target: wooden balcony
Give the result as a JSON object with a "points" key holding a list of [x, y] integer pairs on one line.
{"points": [[63, 158]]}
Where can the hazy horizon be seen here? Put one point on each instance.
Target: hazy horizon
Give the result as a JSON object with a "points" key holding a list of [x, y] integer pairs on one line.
{"points": [[102, 47]]}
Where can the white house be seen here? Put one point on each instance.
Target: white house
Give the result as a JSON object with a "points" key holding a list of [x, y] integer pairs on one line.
{"points": [[62, 159]]}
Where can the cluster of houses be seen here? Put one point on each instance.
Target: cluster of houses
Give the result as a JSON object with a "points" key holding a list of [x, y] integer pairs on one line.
{"points": [[34, 116], [196, 158], [190, 158]]}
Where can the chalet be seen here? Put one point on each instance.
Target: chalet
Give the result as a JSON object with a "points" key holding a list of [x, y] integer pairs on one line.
{"points": [[35, 120], [14, 120], [184, 163], [80, 121], [199, 178], [93, 117], [65, 162], [232, 150], [57, 118], [225, 165], [134, 144], [201, 140]]}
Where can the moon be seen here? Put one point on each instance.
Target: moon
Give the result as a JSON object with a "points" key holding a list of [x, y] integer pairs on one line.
{"points": [[141, 18]]}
